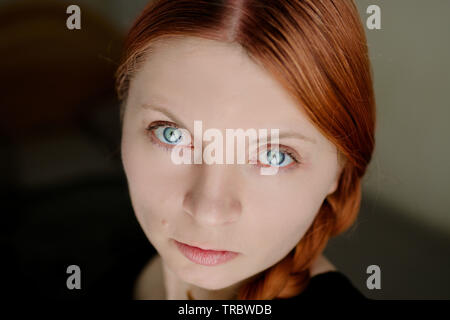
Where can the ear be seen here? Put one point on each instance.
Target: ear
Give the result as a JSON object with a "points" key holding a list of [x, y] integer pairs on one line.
{"points": [[333, 186], [335, 183], [341, 162]]}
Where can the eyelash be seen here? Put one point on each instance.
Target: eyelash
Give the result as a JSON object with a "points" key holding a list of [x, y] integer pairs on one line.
{"points": [[285, 150], [155, 139], [167, 147]]}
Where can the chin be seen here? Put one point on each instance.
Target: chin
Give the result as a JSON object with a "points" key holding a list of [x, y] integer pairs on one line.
{"points": [[212, 285], [207, 280]]}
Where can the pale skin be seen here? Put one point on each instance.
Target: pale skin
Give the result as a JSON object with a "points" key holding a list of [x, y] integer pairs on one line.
{"points": [[150, 284], [229, 207]]}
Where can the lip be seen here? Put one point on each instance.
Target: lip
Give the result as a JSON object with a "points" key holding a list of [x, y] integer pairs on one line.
{"points": [[205, 257]]}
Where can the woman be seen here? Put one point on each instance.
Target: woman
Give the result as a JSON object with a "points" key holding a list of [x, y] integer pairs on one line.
{"points": [[226, 231]]}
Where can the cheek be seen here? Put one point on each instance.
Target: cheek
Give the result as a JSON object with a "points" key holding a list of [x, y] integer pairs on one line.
{"points": [[284, 210], [153, 181]]}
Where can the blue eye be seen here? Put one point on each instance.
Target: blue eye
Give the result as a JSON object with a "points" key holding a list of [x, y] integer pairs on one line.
{"points": [[169, 135], [276, 158]]}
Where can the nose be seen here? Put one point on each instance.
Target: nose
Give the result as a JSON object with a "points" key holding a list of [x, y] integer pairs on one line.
{"points": [[214, 199]]}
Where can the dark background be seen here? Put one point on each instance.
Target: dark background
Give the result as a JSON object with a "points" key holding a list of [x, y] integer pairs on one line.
{"points": [[64, 194]]}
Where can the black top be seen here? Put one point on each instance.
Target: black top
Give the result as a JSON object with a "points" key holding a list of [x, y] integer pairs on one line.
{"points": [[118, 282], [331, 285]]}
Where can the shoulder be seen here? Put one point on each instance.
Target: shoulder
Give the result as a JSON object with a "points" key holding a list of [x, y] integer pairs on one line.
{"points": [[149, 284], [332, 285], [329, 283], [321, 265]]}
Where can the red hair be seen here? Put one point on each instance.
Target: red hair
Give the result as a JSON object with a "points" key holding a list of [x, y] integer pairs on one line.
{"points": [[317, 49]]}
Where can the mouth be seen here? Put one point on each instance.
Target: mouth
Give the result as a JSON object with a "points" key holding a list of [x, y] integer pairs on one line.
{"points": [[205, 257]]}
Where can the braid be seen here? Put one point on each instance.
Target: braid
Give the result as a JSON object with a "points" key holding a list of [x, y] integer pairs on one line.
{"points": [[268, 283], [291, 275]]}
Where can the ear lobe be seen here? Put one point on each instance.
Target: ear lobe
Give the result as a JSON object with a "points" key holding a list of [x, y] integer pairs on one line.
{"points": [[342, 161], [333, 187]]}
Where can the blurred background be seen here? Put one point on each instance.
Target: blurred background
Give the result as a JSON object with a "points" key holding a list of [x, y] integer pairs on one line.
{"points": [[65, 197]]}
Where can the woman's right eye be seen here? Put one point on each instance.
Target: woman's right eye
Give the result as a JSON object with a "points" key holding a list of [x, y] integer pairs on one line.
{"points": [[170, 135], [167, 135]]}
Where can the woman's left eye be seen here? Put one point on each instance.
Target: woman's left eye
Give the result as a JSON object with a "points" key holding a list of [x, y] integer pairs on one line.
{"points": [[274, 158]]}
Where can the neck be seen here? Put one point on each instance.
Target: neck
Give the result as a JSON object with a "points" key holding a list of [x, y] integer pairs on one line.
{"points": [[177, 289]]}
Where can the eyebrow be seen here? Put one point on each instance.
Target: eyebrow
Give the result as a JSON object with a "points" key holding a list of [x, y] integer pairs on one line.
{"points": [[284, 134], [298, 135], [164, 111]]}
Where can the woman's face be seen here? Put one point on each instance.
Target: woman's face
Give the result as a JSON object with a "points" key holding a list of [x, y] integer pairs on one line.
{"points": [[230, 207]]}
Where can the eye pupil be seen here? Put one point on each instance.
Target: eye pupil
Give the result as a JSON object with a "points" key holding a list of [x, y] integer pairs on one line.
{"points": [[172, 134], [275, 158]]}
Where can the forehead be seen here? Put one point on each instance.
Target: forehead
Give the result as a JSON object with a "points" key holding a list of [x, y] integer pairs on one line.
{"points": [[218, 83]]}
